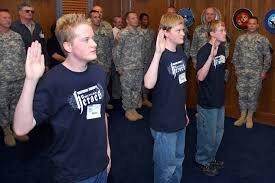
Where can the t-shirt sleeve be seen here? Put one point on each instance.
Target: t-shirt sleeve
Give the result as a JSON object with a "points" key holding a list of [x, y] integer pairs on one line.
{"points": [[42, 103], [201, 58]]}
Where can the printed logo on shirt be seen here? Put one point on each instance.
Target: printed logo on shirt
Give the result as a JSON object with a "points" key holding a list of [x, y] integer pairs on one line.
{"points": [[176, 67], [219, 60], [86, 97]]}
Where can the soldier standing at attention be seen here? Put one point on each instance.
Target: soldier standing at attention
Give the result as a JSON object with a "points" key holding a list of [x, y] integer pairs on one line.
{"points": [[12, 61], [104, 23], [128, 55], [252, 60], [105, 41], [149, 35], [116, 86]]}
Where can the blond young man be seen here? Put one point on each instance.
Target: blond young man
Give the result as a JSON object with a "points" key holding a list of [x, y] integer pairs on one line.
{"points": [[167, 77], [210, 118], [72, 97]]}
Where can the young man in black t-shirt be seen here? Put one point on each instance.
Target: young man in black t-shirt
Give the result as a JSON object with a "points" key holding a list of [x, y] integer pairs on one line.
{"points": [[72, 97], [167, 77], [210, 119]]}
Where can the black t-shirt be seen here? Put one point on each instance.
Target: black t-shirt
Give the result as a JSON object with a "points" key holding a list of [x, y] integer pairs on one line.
{"points": [[74, 103], [168, 113], [211, 89], [54, 47]]}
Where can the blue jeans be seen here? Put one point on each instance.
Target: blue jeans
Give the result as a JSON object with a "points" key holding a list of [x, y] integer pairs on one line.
{"points": [[210, 128], [101, 177], [168, 156]]}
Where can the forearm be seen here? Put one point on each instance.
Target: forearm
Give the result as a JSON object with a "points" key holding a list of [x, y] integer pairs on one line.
{"points": [[151, 75], [58, 57], [202, 73], [23, 116]]}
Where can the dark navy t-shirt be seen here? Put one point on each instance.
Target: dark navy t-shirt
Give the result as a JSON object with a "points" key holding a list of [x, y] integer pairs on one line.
{"points": [[74, 103], [211, 89], [168, 113]]}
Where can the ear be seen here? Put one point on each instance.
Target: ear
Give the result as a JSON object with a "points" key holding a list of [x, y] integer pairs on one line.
{"points": [[67, 47], [211, 34], [166, 33]]}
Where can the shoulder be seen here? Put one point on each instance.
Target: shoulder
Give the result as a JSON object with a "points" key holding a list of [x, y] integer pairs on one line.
{"points": [[263, 38], [95, 68], [205, 47], [16, 23], [15, 34], [198, 28], [241, 38], [124, 32]]}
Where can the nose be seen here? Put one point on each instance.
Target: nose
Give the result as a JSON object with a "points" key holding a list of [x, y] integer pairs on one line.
{"points": [[92, 43]]}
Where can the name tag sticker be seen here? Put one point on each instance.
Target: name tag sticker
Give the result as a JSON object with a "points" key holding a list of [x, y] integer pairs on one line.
{"points": [[93, 111], [182, 78]]}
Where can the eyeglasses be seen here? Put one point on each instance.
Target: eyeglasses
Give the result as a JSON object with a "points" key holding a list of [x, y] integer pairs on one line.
{"points": [[28, 11]]}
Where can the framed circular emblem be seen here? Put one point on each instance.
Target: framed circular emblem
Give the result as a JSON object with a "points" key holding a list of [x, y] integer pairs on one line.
{"points": [[269, 21], [218, 15], [188, 16], [240, 18]]}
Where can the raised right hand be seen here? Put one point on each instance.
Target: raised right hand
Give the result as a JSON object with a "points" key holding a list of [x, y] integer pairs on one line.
{"points": [[160, 43], [35, 65], [214, 49]]}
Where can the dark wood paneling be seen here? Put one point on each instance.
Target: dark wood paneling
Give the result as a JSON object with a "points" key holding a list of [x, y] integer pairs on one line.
{"points": [[155, 8], [44, 12]]}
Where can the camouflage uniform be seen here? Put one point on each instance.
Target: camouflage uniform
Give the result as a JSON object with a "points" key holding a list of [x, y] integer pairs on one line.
{"points": [[149, 35], [186, 45], [251, 58], [105, 41], [12, 64], [129, 57]]}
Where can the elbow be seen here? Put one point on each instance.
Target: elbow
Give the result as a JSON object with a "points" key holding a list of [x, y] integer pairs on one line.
{"points": [[148, 85], [200, 77], [22, 128], [18, 131]]}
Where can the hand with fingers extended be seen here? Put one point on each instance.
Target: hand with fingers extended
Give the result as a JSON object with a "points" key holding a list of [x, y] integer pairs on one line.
{"points": [[35, 65], [160, 43], [214, 49]]}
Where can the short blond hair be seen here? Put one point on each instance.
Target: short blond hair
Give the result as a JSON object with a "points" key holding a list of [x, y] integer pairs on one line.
{"points": [[212, 27], [65, 26], [169, 21]]}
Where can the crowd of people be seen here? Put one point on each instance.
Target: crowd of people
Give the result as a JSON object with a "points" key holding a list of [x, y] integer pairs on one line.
{"points": [[64, 82]]}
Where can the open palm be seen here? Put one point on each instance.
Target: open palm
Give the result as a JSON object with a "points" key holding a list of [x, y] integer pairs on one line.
{"points": [[35, 62]]}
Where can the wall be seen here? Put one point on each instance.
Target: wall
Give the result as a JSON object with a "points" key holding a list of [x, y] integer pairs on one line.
{"points": [[155, 8], [44, 11]]}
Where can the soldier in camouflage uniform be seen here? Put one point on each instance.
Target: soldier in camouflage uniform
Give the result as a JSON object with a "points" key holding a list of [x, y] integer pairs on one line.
{"points": [[150, 37], [200, 35], [116, 86], [252, 60], [105, 41], [12, 60], [103, 23], [128, 55]]}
